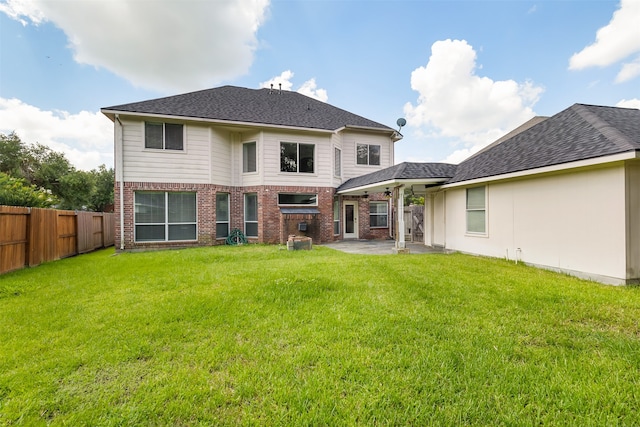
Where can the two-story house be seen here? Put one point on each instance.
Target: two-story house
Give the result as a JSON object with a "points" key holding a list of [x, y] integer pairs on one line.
{"points": [[190, 168]]}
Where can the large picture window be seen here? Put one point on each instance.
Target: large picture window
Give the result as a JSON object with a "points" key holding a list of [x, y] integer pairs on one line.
{"points": [[296, 157], [163, 136], [251, 215], [249, 158], [165, 216], [368, 154], [222, 215], [476, 210], [378, 214]]}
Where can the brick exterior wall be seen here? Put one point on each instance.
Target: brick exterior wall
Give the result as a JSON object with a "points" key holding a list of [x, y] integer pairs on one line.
{"points": [[273, 226], [364, 229]]}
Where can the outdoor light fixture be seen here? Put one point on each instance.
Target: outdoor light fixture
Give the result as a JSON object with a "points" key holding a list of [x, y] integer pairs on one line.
{"points": [[366, 196], [387, 193]]}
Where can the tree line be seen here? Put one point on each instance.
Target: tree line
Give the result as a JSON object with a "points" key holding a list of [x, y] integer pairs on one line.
{"points": [[34, 175]]}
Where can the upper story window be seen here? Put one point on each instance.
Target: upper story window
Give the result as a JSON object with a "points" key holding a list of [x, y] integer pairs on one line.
{"points": [[163, 136], [296, 157], [249, 159], [337, 162], [297, 199], [368, 154], [476, 210]]}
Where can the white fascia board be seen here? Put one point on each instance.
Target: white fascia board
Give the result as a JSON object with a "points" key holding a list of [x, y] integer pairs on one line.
{"points": [[212, 121], [392, 183], [597, 161], [396, 136]]}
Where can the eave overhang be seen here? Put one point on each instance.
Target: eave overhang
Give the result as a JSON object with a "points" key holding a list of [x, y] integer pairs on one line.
{"points": [[379, 187], [562, 167]]}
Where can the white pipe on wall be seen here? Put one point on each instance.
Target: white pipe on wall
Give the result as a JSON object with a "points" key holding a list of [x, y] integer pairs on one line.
{"points": [[119, 142]]}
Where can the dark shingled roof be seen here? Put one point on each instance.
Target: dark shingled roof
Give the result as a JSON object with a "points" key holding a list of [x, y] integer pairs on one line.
{"points": [[259, 106], [404, 170], [578, 133]]}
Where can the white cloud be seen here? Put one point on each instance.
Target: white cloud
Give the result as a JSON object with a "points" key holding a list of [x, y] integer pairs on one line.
{"points": [[308, 88], [167, 46], [629, 103], [457, 103], [614, 42], [629, 71], [283, 81], [85, 138]]}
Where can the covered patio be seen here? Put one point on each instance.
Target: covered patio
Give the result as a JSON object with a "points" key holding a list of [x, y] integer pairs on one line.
{"points": [[394, 181]]}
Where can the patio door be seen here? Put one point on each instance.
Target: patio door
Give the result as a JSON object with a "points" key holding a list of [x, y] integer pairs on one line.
{"points": [[350, 220]]}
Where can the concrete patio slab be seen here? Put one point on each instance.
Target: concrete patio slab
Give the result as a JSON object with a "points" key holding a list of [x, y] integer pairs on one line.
{"points": [[378, 247]]}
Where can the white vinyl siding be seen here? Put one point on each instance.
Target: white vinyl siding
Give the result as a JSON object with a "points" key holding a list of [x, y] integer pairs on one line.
{"points": [[221, 157], [190, 165], [269, 160], [350, 166]]}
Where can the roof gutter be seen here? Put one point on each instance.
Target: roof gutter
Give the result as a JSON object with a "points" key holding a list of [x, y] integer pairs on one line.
{"points": [[395, 135]]}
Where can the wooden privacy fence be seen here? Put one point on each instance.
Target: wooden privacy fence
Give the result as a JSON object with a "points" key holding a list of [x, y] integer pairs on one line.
{"points": [[31, 236]]}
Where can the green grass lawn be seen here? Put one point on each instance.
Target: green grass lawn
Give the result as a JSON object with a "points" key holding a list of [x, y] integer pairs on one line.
{"points": [[256, 335]]}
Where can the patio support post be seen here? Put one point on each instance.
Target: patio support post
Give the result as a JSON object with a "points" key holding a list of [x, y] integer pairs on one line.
{"points": [[400, 243]]}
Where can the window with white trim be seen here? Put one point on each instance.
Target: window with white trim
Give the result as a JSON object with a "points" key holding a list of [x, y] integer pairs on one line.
{"points": [[378, 214], [296, 157], [476, 210], [222, 215], [337, 162], [165, 216], [163, 136], [367, 154], [251, 215], [336, 216], [249, 158]]}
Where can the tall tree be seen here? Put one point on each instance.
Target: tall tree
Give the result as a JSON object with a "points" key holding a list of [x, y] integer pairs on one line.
{"points": [[102, 196], [12, 155], [52, 173]]}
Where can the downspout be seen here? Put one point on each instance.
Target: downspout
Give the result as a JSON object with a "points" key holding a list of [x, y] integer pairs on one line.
{"points": [[119, 136]]}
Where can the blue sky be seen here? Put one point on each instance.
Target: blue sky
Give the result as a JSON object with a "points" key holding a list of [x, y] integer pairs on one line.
{"points": [[462, 73]]}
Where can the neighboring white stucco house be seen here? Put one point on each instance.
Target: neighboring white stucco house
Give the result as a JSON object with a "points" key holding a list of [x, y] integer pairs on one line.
{"points": [[561, 193]]}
